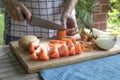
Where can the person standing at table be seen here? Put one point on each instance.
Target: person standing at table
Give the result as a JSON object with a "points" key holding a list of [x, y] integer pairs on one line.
{"points": [[58, 11]]}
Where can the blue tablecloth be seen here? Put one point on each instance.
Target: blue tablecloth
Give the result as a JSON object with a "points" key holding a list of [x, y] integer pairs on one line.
{"points": [[107, 68]]}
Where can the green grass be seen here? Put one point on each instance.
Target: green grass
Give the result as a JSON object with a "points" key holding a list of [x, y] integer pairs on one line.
{"points": [[1, 28]]}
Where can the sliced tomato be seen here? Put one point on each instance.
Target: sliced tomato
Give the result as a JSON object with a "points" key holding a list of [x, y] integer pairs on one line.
{"points": [[63, 50], [57, 42], [38, 50], [71, 48], [53, 52], [67, 40], [70, 43], [34, 56], [73, 40], [44, 55], [78, 49], [31, 48], [44, 51], [61, 34], [51, 48]]}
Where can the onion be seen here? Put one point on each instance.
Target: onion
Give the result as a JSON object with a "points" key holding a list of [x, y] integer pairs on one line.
{"points": [[105, 42]]}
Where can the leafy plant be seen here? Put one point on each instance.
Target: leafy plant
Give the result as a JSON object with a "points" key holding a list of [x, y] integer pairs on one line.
{"points": [[84, 15]]}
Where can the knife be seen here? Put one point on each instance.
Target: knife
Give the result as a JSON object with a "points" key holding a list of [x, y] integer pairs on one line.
{"points": [[38, 22]]}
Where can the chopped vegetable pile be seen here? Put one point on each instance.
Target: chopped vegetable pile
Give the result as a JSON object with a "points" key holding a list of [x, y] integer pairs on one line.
{"points": [[55, 49]]}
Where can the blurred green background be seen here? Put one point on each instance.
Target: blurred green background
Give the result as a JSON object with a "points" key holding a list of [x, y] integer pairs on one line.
{"points": [[113, 22], [1, 28]]}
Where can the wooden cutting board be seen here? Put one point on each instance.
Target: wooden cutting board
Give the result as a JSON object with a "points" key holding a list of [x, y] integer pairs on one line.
{"points": [[35, 66]]}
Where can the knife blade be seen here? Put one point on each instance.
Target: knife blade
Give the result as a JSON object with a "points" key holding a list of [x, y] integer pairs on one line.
{"points": [[38, 22]]}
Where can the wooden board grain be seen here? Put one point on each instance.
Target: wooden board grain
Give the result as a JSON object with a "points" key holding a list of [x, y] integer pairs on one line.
{"points": [[35, 66]]}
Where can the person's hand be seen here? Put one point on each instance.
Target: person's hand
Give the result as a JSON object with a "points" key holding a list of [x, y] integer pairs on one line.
{"points": [[70, 24], [17, 10]]}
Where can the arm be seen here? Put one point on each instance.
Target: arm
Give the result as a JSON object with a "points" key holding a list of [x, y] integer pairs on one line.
{"points": [[69, 6], [16, 9], [67, 21]]}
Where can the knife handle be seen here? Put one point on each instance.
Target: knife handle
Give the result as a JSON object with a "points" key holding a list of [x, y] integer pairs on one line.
{"points": [[24, 16]]}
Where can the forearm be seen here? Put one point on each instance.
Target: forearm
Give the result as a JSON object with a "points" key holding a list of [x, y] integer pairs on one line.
{"points": [[69, 6]]}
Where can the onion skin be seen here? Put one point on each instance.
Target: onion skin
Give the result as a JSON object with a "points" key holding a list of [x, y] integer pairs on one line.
{"points": [[105, 43], [25, 41]]}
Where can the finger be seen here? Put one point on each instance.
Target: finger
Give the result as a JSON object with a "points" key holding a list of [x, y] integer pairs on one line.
{"points": [[20, 15], [14, 15], [27, 13], [11, 14], [71, 31]]}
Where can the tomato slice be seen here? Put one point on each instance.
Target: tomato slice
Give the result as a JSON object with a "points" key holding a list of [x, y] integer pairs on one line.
{"points": [[63, 50], [53, 52], [44, 55], [67, 40], [71, 48], [57, 42], [70, 43], [38, 49], [31, 48], [61, 34], [73, 40], [44, 51], [34, 56], [78, 48]]}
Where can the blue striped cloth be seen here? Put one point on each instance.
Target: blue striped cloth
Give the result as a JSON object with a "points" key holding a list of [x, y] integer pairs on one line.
{"points": [[107, 68]]}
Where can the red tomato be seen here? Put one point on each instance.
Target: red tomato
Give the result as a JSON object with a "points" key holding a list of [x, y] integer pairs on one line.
{"points": [[63, 50], [53, 41], [34, 56], [73, 40], [53, 52], [31, 48], [51, 48], [70, 43], [44, 55], [71, 48], [38, 50], [57, 42], [78, 48], [44, 51], [61, 34], [67, 40]]}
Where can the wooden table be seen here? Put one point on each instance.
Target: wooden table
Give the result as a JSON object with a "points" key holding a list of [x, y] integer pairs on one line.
{"points": [[11, 69]]}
